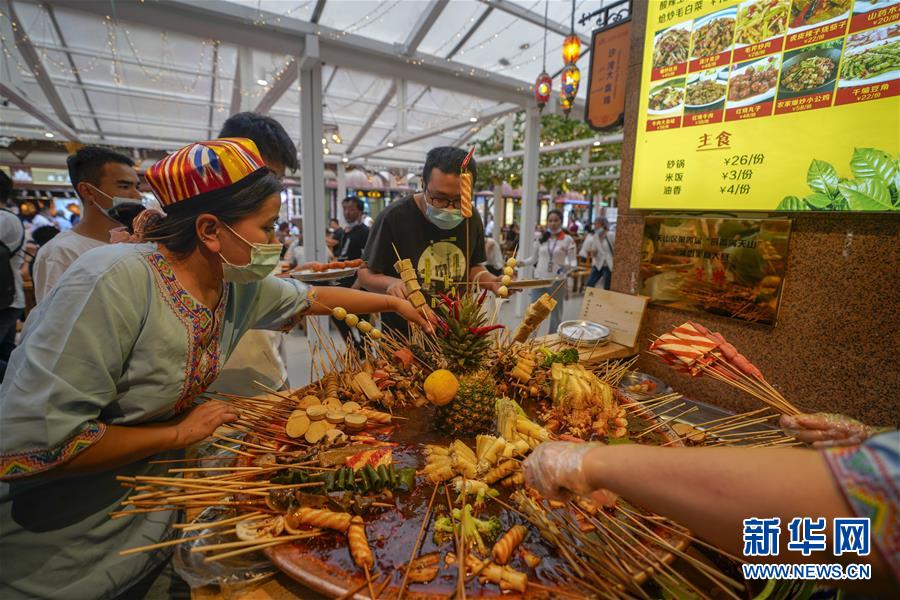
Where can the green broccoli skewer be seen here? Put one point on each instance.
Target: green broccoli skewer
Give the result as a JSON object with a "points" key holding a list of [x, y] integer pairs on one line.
{"points": [[475, 532], [566, 356]]}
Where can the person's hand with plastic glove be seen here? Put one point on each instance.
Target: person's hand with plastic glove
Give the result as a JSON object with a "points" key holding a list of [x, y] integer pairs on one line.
{"points": [[824, 430], [556, 470]]}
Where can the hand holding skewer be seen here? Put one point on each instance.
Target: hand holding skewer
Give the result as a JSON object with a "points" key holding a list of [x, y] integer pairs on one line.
{"points": [[201, 421]]}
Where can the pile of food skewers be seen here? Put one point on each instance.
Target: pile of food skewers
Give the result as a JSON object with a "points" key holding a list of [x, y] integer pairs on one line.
{"points": [[338, 471]]}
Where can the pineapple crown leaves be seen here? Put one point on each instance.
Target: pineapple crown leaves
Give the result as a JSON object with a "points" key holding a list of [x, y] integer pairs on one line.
{"points": [[456, 310]]}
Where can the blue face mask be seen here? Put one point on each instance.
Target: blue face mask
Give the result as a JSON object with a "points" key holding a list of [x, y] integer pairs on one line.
{"points": [[445, 218]]}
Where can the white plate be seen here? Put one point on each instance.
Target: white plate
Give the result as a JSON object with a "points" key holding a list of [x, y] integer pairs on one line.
{"points": [[862, 6], [751, 100], [329, 275], [877, 79]]}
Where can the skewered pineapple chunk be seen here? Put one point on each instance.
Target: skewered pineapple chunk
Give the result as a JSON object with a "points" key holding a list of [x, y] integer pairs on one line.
{"points": [[524, 367], [539, 310]]}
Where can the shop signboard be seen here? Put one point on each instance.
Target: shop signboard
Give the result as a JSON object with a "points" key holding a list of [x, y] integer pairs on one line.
{"points": [[769, 105], [725, 266], [610, 50]]}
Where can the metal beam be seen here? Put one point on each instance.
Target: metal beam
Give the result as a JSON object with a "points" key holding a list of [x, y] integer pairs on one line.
{"points": [[147, 63], [219, 19], [26, 105], [212, 88], [194, 101], [242, 68], [583, 165], [278, 88], [470, 32], [372, 118], [312, 165], [533, 18], [23, 43], [530, 167], [317, 11], [191, 101], [65, 49], [490, 115], [547, 148], [423, 25], [334, 71]]}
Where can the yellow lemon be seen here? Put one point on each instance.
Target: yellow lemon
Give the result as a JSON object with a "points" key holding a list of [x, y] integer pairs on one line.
{"points": [[441, 387]]}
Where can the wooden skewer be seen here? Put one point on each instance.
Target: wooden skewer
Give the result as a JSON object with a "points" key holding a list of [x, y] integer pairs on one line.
{"points": [[275, 542], [372, 593], [211, 469], [415, 550], [168, 543], [235, 450], [245, 543], [213, 524], [225, 438]]}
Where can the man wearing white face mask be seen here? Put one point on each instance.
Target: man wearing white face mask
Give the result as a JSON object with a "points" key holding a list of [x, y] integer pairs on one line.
{"points": [[107, 184], [428, 228]]}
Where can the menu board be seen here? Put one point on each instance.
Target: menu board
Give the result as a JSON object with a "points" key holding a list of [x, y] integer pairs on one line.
{"points": [[769, 105]]}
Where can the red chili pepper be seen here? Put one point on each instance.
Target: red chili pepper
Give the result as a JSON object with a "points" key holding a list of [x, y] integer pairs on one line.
{"points": [[482, 297], [482, 331], [447, 300]]}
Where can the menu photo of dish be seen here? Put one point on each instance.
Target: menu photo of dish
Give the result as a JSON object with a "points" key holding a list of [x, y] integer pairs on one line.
{"points": [[871, 66], [760, 28], [813, 21], [808, 77], [704, 97], [751, 88], [712, 39], [874, 13], [670, 51], [665, 105]]}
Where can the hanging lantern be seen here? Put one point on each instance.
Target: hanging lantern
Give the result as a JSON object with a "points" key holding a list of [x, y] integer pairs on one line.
{"points": [[564, 103], [543, 87], [571, 49], [570, 78]]}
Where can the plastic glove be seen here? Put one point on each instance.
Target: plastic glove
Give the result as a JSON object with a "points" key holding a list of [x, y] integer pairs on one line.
{"points": [[555, 469], [824, 430]]}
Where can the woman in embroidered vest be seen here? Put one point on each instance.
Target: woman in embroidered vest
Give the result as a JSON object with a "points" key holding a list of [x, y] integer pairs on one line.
{"points": [[112, 361]]}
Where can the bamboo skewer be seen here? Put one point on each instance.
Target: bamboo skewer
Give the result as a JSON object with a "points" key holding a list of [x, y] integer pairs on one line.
{"points": [[415, 550], [244, 544], [235, 450], [372, 593], [214, 524], [168, 543], [275, 542]]}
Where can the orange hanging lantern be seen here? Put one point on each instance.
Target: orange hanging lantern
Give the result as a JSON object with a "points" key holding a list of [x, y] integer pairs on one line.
{"points": [[543, 87], [571, 49], [570, 78]]}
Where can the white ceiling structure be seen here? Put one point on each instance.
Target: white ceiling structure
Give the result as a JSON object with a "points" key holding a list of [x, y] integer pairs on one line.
{"points": [[399, 76]]}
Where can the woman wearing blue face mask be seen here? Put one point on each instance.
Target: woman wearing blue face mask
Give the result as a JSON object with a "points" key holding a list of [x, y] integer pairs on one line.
{"points": [[553, 256], [114, 358]]}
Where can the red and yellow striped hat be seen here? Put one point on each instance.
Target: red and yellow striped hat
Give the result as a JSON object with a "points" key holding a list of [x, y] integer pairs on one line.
{"points": [[202, 174]]}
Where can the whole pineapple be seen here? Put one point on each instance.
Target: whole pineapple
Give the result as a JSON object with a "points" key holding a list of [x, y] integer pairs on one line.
{"points": [[465, 346], [472, 411]]}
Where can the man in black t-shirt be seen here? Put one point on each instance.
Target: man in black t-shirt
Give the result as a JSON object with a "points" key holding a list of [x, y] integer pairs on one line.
{"points": [[428, 228], [353, 241]]}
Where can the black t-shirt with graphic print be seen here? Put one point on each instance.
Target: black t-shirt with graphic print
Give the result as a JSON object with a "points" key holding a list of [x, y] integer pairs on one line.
{"points": [[439, 255]]}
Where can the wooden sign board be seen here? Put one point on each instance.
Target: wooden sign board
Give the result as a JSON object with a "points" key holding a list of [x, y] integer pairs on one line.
{"points": [[610, 48], [621, 313]]}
